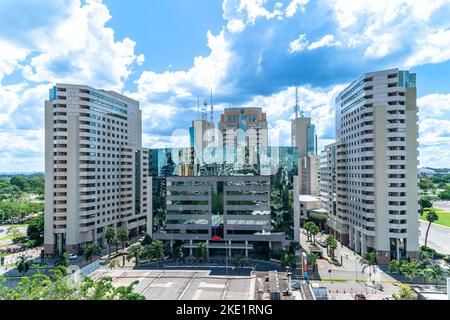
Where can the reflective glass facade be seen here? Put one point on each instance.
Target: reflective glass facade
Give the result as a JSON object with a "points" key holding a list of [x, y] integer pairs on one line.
{"points": [[235, 194]]}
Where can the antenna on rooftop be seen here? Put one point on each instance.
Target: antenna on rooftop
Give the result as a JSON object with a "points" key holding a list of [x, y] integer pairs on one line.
{"points": [[204, 115], [198, 107], [212, 108], [297, 107]]}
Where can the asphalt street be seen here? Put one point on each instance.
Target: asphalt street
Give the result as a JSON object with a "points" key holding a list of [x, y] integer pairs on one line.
{"points": [[438, 237]]}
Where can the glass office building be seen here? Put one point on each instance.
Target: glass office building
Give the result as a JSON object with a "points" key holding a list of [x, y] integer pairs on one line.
{"points": [[236, 198]]}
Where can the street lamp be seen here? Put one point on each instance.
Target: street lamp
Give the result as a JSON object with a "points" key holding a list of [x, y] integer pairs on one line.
{"points": [[289, 279]]}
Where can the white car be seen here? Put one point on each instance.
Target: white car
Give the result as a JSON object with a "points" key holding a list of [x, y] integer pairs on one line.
{"points": [[72, 256]]}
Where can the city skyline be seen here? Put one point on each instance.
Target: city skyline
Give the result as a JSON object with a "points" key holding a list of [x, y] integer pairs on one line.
{"points": [[251, 53]]}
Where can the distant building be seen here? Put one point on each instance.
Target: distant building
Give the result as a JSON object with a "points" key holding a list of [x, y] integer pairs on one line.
{"points": [[244, 127]]}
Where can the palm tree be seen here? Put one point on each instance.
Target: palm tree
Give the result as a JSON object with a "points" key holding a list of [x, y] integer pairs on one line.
{"points": [[157, 251], [237, 260], [134, 252], [23, 265], [313, 257], [116, 243], [113, 263], [313, 230], [331, 245], [91, 250], [369, 259], [203, 251], [122, 235], [394, 265], [110, 235], [430, 217], [410, 269], [180, 254], [308, 227], [63, 259]]}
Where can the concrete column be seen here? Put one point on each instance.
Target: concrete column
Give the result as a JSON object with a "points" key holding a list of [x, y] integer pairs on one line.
{"points": [[397, 249], [229, 248], [246, 249], [190, 249], [363, 244], [357, 241], [207, 250], [351, 238]]}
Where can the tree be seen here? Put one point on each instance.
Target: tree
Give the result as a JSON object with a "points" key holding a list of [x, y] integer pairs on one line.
{"points": [[331, 245], [312, 258], [444, 195], [203, 249], [110, 235], [288, 260], [312, 230], [157, 251], [319, 219], [91, 250], [57, 287], [180, 254], [134, 252], [63, 259], [113, 263], [237, 260], [116, 243], [23, 265], [410, 269], [432, 273], [147, 240], [406, 293], [35, 230], [394, 265], [430, 217], [122, 235], [369, 259], [425, 203]]}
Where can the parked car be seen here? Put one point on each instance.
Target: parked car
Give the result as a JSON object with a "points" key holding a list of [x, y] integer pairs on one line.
{"points": [[388, 298], [72, 256], [360, 296]]}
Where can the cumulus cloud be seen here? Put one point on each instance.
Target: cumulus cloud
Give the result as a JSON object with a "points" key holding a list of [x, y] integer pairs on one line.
{"points": [[264, 48], [299, 44]]}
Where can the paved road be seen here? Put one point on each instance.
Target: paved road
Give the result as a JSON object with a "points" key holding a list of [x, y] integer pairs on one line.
{"points": [[438, 237], [443, 205]]}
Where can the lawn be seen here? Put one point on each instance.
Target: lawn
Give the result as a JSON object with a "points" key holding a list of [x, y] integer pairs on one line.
{"points": [[444, 217], [6, 237]]}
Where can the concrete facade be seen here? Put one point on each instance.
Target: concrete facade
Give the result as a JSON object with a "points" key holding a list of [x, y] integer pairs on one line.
{"points": [[96, 173], [372, 168], [243, 127]]}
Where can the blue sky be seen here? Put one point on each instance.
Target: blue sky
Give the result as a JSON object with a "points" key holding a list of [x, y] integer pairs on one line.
{"points": [[250, 52]]}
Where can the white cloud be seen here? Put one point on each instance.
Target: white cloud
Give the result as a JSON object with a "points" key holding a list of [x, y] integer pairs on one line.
{"points": [[10, 55], [299, 44], [388, 27], [434, 48], [82, 49], [235, 26], [434, 106], [207, 72], [327, 41], [294, 6], [248, 11]]}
